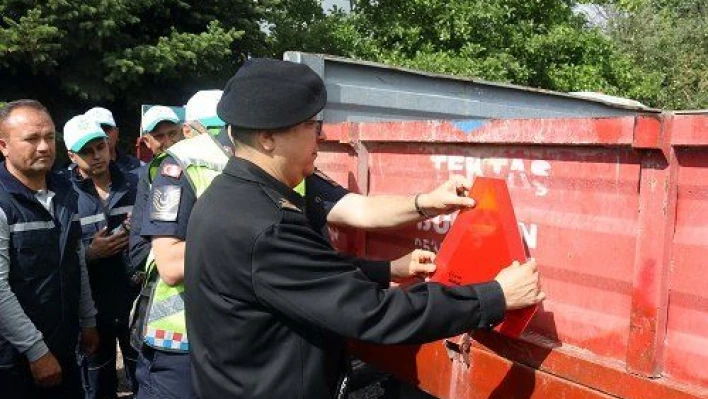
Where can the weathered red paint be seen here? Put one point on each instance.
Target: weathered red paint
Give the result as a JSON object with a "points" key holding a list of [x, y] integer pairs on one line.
{"points": [[689, 130], [581, 131], [648, 133], [657, 211], [615, 211], [686, 350]]}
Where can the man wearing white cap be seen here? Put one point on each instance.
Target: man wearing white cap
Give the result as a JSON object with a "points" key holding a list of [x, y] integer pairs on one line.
{"points": [[105, 119], [200, 110], [201, 118], [163, 366], [160, 128], [106, 198]]}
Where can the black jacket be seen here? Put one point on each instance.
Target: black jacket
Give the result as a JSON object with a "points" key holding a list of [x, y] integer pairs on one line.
{"points": [[269, 303]]}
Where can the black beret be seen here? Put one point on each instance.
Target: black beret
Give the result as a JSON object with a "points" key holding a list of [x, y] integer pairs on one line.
{"points": [[271, 94]]}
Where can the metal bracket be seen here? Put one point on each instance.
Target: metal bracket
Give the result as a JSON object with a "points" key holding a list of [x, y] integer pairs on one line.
{"points": [[458, 348]]}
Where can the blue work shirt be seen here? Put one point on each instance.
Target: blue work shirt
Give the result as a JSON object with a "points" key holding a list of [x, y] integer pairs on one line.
{"points": [[169, 204], [139, 246], [321, 194]]}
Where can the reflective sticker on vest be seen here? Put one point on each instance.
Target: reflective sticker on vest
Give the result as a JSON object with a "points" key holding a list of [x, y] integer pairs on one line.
{"points": [[166, 339], [165, 203], [99, 217], [166, 307], [171, 170], [31, 226], [123, 210]]}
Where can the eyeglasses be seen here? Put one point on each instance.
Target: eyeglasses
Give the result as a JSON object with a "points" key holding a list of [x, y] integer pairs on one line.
{"points": [[318, 127]]}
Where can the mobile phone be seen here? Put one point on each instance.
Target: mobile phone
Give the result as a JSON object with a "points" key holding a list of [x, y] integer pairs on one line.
{"points": [[122, 228]]}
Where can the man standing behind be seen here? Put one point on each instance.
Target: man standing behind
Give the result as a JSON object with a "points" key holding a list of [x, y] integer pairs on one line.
{"points": [[45, 299], [160, 129], [105, 118], [106, 198]]}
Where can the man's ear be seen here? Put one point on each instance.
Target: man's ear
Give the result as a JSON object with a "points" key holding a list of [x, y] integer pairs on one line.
{"points": [[266, 140], [3, 145], [72, 156]]}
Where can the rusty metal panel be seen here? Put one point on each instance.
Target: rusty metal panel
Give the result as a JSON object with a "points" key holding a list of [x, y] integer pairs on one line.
{"points": [[687, 328], [598, 200]]}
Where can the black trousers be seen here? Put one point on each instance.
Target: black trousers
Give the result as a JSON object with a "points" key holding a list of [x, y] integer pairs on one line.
{"points": [[98, 371], [17, 382]]}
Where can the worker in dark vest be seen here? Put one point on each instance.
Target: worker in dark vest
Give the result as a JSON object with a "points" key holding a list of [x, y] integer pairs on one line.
{"points": [[46, 300], [106, 198]]}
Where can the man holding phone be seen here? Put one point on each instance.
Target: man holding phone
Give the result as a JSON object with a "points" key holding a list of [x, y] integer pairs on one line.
{"points": [[106, 198]]}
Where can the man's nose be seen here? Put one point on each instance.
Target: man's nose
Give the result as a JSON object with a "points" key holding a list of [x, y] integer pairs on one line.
{"points": [[44, 145]]}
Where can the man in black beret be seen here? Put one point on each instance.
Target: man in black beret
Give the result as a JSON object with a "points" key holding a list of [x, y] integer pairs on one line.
{"points": [[269, 302]]}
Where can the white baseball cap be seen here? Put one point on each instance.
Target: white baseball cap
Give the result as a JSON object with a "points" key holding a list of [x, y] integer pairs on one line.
{"points": [[79, 130], [157, 114], [102, 116], [202, 108]]}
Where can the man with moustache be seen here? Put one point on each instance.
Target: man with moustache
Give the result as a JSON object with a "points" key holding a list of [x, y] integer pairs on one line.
{"points": [[45, 299]]}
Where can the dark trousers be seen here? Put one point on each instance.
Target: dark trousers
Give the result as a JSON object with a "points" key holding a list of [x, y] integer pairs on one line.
{"points": [[98, 371], [164, 375], [17, 383]]}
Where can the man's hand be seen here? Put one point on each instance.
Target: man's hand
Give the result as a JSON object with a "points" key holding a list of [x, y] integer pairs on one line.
{"points": [[46, 371], [448, 197], [520, 285], [418, 263], [89, 340], [103, 245]]}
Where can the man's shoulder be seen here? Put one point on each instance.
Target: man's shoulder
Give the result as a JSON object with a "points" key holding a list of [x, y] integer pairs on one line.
{"points": [[127, 162], [235, 199], [169, 172], [61, 183]]}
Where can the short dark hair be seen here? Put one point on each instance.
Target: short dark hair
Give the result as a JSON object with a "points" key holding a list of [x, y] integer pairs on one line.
{"points": [[8, 108], [243, 135]]}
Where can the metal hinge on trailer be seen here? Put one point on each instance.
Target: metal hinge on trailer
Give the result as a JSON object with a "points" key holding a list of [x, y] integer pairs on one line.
{"points": [[458, 348]]}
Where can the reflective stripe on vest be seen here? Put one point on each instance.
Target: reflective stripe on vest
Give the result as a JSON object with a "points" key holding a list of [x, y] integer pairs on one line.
{"points": [[202, 159]]}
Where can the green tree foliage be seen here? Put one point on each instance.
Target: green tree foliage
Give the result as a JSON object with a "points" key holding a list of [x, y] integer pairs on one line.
{"points": [[119, 53], [539, 43], [303, 25], [669, 38]]}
